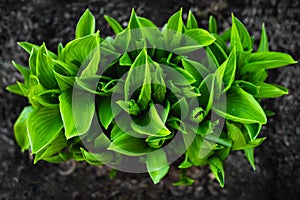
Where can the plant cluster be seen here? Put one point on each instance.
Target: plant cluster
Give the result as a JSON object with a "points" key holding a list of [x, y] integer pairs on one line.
{"points": [[145, 87]]}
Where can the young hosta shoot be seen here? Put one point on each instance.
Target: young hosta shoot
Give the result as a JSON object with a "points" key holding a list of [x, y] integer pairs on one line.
{"points": [[148, 93]]}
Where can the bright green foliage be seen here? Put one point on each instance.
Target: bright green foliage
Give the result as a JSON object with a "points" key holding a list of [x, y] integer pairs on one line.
{"points": [[155, 97]]}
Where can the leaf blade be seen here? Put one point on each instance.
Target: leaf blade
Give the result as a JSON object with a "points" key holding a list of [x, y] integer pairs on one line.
{"points": [[85, 25]]}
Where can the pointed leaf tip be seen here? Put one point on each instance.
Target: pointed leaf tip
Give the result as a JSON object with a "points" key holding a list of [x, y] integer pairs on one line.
{"points": [[86, 24]]}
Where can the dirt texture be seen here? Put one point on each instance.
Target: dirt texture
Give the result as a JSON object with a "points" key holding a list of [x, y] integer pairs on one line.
{"points": [[278, 166]]}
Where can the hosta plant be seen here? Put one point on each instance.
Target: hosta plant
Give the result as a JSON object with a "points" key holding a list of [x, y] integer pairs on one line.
{"points": [[147, 96]]}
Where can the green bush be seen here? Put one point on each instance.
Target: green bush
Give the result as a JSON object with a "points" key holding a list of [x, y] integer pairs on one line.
{"points": [[106, 100]]}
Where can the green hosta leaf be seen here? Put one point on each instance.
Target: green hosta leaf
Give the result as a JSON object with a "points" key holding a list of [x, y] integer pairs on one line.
{"points": [[223, 153], [191, 21], [122, 41], [77, 113], [48, 98], [145, 95], [247, 86], [125, 60], [206, 127], [253, 130], [267, 90], [77, 51], [77, 156], [61, 157], [242, 107], [102, 141], [207, 90], [152, 33], [144, 22], [20, 128], [27, 46], [244, 36], [116, 132], [43, 125], [64, 82], [186, 75], [226, 72], [151, 124], [185, 164], [131, 107], [97, 158], [200, 36], [225, 36], [177, 124], [183, 50], [250, 156], [109, 56], [157, 142], [218, 51], [137, 38], [180, 108], [23, 70], [24, 88], [86, 24], [32, 60], [133, 21], [184, 181], [104, 111], [216, 166], [178, 77], [64, 68], [55, 147], [15, 88], [33, 91], [259, 75], [93, 65], [89, 83], [196, 69], [175, 22], [255, 143], [238, 138], [158, 84], [157, 165], [129, 145], [174, 29], [263, 44], [91, 158], [19, 88], [197, 114], [164, 113], [139, 72], [65, 104], [212, 25], [83, 110], [60, 47], [235, 38], [221, 44], [114, 24], [212, 59], [219, 139], [44, 68], [199, 151], [266, 60]]}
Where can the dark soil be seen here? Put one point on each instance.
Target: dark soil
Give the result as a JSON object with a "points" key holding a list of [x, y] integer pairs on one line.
{"points": [[278, 165]]}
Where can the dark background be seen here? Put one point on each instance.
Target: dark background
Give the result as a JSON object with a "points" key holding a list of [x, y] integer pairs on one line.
{"points": [[277, 159]]}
